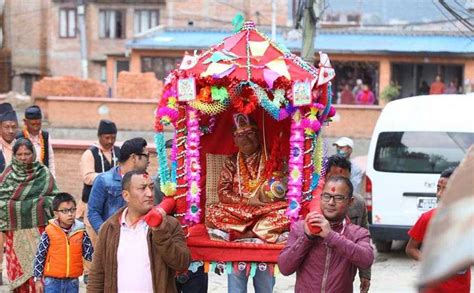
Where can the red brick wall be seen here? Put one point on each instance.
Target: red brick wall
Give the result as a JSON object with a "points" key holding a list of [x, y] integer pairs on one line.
{"points": [[68, 86], [138, 114], [82, 112], [353, 121], [138, 85], [67, 154]]}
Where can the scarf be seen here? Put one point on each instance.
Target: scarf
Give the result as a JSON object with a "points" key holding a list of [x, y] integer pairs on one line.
{"points": [[26, 195]]}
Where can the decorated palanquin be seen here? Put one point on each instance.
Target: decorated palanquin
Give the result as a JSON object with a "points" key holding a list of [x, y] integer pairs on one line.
{"points": [[289, 100]]}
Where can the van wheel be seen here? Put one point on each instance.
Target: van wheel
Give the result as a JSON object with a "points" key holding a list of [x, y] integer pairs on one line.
{"points": [[383, 246]]}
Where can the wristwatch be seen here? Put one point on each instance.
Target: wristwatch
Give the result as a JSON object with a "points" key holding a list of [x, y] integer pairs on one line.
{"points": [[36, 279]]}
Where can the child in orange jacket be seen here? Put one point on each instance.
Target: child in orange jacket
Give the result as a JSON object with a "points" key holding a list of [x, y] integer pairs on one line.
{"points": [[63, 245]]}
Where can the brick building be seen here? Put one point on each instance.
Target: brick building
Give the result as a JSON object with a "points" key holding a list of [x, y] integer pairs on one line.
{"points": [[44, 36]]}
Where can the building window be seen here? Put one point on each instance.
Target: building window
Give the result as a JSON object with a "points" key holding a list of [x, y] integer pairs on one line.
{"points": [[67, 23], [111, 24], [145, 20], [351, 78], [161, 66]]}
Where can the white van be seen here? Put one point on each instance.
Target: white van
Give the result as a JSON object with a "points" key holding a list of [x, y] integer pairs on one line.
{"points": [[414, 140]]}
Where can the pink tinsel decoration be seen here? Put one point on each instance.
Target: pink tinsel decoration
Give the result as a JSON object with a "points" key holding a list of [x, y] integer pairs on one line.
{"points": [[193, 167]]}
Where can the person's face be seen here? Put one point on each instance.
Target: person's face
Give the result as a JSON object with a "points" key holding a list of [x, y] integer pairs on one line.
{"points": [[365, 87], [338, 171], [247, 141], [65, 214], [141, 161], [24, 154], [336, 208], [438, 78], [139, 197], [440, 187], [9, 129], [33, 125], [107, 140], [344, 151]]}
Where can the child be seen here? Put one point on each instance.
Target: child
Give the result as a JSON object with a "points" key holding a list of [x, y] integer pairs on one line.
{"points": [[459, 283], [62, 246]]}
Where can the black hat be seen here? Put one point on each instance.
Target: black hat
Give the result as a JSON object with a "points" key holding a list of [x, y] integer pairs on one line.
{"points": [[106, 127], [7, 113], [33, 112]]}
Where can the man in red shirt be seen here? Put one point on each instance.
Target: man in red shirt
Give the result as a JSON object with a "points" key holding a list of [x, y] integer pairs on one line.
{"points": [[437, 87], [459, 283]]}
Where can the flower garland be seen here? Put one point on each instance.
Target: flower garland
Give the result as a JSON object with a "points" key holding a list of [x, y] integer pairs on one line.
{"points": [[167, 185], [243, 98], [181, 175], [42, 154], [295, 176], [193, 167], [168, 113]]}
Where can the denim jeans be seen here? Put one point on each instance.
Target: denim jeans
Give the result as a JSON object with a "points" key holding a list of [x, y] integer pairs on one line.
{"points": [[196, 282], [263, 282], [54, 285]]}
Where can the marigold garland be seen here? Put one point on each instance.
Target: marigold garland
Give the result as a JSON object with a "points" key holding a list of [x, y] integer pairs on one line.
{"points": [[42, 154]]}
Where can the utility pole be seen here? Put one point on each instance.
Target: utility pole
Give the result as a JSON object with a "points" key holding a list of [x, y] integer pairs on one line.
{"points": [[81, 12], [310, 11], [274, 8]]}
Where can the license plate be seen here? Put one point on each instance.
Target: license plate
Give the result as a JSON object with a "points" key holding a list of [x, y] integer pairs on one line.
{"points": [[426, 203]]}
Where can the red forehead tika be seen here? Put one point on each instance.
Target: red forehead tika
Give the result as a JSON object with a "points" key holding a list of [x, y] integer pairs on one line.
{"points": [[333, 189], [145, 175]]}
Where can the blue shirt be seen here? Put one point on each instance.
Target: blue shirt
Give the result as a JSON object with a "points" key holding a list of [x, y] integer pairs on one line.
{"points": [[105, 198]]}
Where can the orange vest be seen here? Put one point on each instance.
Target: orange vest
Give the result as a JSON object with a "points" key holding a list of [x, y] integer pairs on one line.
{"points": [[64, 257]]}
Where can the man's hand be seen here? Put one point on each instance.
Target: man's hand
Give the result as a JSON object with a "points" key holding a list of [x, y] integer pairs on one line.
{"points": [[315, 219], [255, 201], [364, 285], [39, 286], [155, 218]]}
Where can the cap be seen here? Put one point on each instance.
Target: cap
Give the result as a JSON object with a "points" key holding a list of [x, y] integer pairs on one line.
{"points": [[7, 113], [106, 127], [344, 141], [33, 112]]}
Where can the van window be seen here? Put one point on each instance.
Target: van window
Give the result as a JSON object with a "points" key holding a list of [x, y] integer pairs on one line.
{"points": [[420, 152]]}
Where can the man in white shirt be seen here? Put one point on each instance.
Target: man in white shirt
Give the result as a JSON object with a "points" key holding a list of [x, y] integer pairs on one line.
{"points": [[134, 251]]}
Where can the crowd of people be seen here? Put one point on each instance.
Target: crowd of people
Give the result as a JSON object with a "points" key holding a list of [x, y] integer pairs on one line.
{"points": [[359, 94], [120, 240]]}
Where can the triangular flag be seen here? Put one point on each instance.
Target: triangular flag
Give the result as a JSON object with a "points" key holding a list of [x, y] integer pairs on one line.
{"points": [[258, 48], [188, 62], [216, 68], [280, 67], [270, 76], [230, 42], [218, 56]]}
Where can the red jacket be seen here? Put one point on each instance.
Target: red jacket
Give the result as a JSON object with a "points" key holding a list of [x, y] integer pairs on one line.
{"points": [[326, 265]]}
